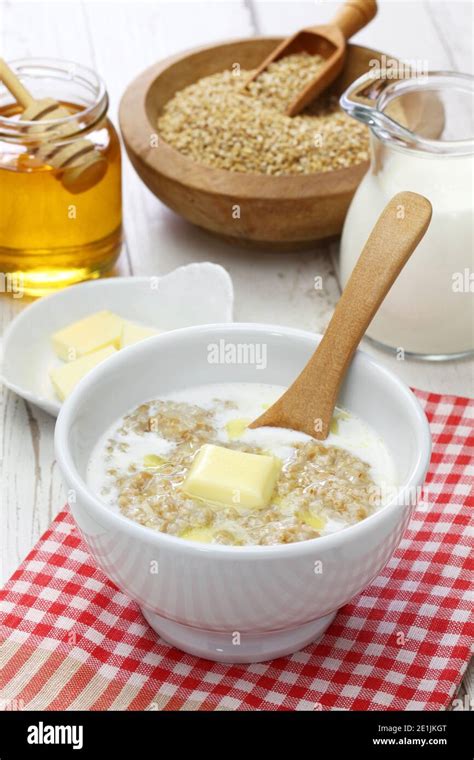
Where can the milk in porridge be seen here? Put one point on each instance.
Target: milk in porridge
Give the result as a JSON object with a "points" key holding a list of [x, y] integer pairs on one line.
{"points": [[146, 465]]}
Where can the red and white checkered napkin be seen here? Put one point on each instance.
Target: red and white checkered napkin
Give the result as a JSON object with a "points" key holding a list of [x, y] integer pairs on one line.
{"points": [[70, 640]]}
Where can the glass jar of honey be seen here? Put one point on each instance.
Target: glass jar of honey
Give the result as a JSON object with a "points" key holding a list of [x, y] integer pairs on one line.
{"points": [[60, 179]]}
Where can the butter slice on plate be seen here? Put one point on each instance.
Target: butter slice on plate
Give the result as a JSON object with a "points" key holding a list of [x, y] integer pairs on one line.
{"points": [[66, 377], [90, 334], [132, 333], [234, 478]]}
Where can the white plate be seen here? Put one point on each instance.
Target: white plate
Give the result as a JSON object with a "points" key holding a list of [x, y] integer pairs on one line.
{"points": [[196, 294]]}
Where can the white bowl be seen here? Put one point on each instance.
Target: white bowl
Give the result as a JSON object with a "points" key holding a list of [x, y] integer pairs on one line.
{"points": [[190, 295], [249, 603]]}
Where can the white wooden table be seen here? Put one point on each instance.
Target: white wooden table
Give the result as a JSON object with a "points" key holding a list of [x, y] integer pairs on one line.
{"points": [[119, 39]]}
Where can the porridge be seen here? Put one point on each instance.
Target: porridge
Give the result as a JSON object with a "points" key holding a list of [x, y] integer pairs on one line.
{"points": [[188, 465]]}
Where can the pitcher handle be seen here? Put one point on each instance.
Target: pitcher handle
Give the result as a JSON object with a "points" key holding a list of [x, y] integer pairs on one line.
{"points": [[360, 101]]}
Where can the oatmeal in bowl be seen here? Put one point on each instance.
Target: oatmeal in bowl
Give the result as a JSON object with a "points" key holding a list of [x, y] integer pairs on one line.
{"points": [[187, 464], [212, 527]]}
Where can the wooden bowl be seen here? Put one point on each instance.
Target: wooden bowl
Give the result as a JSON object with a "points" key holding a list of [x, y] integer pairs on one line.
{"points": [[279, 213]]}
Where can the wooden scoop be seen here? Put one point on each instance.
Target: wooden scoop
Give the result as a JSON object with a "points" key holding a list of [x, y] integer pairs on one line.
{"points": [[329, 42], [81, 165], [308, 404]]}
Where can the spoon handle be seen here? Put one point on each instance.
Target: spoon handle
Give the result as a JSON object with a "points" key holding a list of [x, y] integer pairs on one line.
{"points": [[309, 403], [399, 229]]}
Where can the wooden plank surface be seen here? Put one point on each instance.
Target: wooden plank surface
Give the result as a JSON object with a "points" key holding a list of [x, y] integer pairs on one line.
{"points": [[119, 40]]}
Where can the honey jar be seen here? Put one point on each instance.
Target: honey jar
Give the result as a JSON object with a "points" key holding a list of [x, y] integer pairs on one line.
{"points": [[60, 179]]}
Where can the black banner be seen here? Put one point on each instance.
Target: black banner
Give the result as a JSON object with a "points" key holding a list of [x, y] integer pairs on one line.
{"points": [[375, 734]]}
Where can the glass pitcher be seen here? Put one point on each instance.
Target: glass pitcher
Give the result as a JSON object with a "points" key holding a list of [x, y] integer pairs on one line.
{"points": [[421, 132]]}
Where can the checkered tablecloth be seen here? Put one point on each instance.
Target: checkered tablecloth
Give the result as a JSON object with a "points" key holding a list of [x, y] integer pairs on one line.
{"points": [[69, 639]]}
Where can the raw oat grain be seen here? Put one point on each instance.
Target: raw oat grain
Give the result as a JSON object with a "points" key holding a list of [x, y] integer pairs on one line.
{"points": [[218, 122]]}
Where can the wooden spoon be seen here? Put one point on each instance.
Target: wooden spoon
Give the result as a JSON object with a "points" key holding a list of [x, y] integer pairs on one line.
{"points": [[308, 404], [81, 164], [328, 41]]}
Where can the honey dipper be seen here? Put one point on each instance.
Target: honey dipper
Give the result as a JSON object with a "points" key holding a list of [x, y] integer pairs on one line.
{"points": [[81, 165], [309, 402], [328, 41]]}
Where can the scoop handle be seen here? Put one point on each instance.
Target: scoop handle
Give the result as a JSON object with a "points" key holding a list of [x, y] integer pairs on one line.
{"points": [[354, 15]]}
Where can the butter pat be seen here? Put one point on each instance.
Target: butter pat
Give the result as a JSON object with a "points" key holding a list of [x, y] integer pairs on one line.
{"points": [[90, 334], [200, 535], [234, 478], [132, 333], [315, 521], [235, 428], [153, 460], [66, 377]]}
